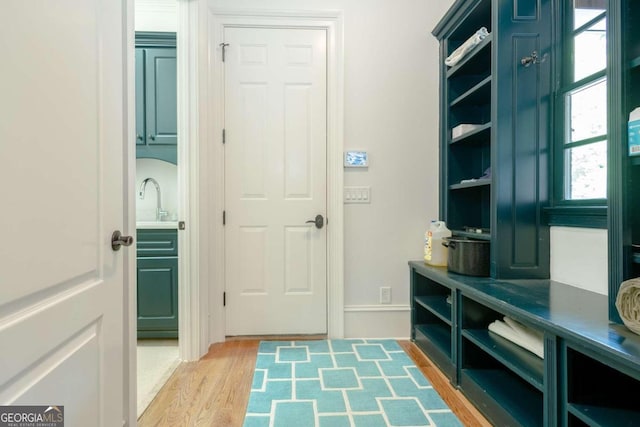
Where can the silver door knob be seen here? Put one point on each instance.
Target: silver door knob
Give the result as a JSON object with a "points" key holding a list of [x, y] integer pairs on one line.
{"points": [[118, 240], [318, 221]]}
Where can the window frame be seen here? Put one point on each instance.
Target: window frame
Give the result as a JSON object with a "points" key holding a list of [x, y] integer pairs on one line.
{"points": [[588, 213]]}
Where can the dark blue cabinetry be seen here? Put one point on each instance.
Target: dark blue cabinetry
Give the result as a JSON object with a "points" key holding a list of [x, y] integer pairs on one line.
{"points": [[507, 104], [157, 283], [156, 97], [589, 364], [589, 361]]}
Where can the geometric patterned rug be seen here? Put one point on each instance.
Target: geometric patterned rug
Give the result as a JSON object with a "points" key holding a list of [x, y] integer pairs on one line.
{"points": [[341, 383]]}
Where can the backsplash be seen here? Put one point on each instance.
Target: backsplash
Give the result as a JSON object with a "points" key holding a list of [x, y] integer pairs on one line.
{"points": [[166, 174]]}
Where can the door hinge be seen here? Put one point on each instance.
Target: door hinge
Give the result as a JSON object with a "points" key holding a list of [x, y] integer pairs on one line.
{"points": [[224, 217], [224, 136], [223, 46], [224, 299]]}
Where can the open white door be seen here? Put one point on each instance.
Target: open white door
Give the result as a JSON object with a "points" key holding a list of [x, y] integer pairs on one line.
{"points": [[275, 181], [62, 139]]}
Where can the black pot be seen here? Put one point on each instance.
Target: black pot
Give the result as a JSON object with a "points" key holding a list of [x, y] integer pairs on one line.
{"points": [[467, 256]]}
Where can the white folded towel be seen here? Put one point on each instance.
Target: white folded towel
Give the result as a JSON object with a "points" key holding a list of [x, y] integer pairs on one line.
{"points": [[519, 334], [628, 304], [466, 47]]}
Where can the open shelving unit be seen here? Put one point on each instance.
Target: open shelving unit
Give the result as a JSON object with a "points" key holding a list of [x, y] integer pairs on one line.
{"points": [[492, 120], [468, 87], [590, 358], [603, 397], [490, 363], [590, 369], [431, 316]]}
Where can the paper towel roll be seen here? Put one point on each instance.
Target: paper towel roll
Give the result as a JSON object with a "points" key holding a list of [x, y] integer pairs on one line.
{"points": [[628, 304]]}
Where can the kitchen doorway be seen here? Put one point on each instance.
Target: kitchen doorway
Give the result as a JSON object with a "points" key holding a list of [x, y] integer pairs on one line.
{"points": [[157, 201]]}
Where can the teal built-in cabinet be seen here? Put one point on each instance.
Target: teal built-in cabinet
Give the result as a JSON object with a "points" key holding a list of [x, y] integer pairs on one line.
{"points": [[502, 94], [494, 177], [589, 368], [156, 97], [157, 278]]}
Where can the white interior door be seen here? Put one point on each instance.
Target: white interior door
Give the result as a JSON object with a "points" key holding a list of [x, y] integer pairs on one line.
{"points": [[62, 135], [275, 180]]}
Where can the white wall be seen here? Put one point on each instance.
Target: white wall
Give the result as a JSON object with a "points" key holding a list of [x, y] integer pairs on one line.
{"points": [[391, 86], [167, 176], [579, 257], [156, 15]]}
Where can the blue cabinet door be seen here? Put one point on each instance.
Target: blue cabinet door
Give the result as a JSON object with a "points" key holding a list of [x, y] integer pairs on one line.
{"points": [[156, 103], [161, 96], [157, 297], [520, 249]]}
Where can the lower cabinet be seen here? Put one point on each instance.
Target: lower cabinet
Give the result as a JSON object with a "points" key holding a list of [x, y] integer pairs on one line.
{"points": [[590, 369], [157, 284]]}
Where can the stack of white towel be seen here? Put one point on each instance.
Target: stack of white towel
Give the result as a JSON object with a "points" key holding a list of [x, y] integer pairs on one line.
{"points": [[466, 47], [523, 336]]}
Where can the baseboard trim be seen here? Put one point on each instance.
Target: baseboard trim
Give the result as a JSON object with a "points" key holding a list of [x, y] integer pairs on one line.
{"points": [[376, 308], [377, 321]]}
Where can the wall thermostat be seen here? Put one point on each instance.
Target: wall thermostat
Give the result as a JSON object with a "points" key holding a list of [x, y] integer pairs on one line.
{"points": [[356, 159]]}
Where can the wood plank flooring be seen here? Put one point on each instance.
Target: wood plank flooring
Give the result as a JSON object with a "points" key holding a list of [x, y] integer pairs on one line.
{"points": [[214, 391]]}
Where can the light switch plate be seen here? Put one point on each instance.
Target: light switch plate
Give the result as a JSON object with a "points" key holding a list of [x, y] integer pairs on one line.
{"points": [[357, 195]]}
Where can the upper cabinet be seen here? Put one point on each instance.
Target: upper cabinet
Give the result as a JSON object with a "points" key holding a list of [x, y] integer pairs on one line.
{"points": [[156, 97], [495, 115]]}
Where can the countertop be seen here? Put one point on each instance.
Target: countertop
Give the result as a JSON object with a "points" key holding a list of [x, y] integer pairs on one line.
{"points": [[158, 225]]}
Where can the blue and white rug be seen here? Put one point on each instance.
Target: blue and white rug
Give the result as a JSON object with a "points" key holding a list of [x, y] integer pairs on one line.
{"points": [[336, 383]]}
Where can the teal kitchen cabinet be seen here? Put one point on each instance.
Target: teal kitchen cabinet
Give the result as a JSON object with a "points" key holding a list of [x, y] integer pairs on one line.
{"points": [[156, 98], [157, 283]]}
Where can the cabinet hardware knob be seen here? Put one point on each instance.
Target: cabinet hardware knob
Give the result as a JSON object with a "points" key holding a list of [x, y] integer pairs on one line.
{"points": [[152, 137]]}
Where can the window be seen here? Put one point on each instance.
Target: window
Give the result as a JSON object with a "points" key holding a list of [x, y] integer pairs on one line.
{"points": [[581, 104]]}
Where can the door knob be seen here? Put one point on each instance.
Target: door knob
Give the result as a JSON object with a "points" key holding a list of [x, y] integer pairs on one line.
{"points": [[318, 221], [118, 240], [152, 137]]}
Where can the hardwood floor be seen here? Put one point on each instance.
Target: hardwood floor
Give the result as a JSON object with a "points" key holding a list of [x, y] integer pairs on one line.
{"points": [[214, 391]]}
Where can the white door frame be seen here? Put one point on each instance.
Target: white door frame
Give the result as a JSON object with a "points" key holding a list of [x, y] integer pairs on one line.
{"points": [[211, 151], [192, 290]]}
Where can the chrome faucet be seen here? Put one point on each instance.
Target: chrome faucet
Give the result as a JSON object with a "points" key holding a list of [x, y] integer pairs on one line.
{"points": [[160, 214]]}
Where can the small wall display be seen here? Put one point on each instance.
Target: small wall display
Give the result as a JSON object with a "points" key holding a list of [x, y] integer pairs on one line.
{"points": [[356, 159]]}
